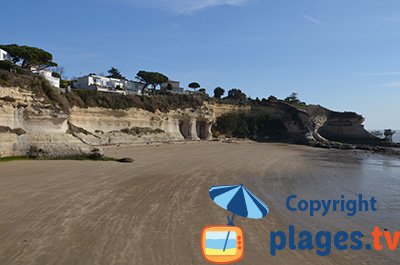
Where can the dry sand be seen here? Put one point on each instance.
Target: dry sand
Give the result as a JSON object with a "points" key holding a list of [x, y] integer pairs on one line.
{"points": [[152, 211]]}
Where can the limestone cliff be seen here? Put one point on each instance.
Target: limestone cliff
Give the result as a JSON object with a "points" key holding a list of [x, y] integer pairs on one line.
{"points": [[42, 128], [29, 125], [316, 123], [49, 131]]}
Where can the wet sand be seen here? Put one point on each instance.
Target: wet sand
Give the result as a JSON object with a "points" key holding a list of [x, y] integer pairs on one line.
{"points": [[152, 211]]}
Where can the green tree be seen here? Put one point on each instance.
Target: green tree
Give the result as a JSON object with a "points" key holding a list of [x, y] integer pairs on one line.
{"points": [[29, 57], [194, 85], [55, 74], [219, 92], [294, 99], [60, 70], [151, 78], [236, 94], [170, 87], [272, 98], [115, 73]]}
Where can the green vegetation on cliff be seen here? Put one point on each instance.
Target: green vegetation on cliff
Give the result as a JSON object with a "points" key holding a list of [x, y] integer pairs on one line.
{"points": [[248, 125], [163, 103], [35, 83]]}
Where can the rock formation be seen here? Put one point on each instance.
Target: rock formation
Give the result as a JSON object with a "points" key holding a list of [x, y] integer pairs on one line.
{"points": [[30, 126]]}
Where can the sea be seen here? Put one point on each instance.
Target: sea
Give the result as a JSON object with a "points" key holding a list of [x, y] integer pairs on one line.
{"points": [[396, 136]]}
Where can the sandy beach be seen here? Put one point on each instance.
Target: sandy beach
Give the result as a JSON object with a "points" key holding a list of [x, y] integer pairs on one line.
{"points": [[153, 210]]}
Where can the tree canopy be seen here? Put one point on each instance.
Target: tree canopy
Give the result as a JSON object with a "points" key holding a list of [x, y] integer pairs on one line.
{"points": [[170, 87], [219, 92], [29, 57], [115, 73], [236, 94], [194, 85], [294, 99], [272, 98], [151, 78]]}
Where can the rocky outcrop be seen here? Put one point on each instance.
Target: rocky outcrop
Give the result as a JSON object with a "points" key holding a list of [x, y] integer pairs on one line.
{"points": [[314, 123], [325, 125]]}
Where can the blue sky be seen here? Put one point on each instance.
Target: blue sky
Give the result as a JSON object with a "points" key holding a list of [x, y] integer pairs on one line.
{"points": [[342, 54]]}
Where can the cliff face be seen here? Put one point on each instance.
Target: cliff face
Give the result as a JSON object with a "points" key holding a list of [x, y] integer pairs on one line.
{"points": [[29, 125], [345, 127], [48, 131], [105, 126], [316, 123]]}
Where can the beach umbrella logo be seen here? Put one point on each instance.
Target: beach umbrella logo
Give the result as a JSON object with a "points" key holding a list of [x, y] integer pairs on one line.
{"points": [[225, 244]]}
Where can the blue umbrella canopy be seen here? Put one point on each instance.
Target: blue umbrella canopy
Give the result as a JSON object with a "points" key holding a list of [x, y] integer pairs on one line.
{"points": [[239, 201]]}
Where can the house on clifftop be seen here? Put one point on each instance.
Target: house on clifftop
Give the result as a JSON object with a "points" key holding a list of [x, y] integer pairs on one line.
{"points": [[49, 76], [175, 86], [4, 56], [108, 84]]}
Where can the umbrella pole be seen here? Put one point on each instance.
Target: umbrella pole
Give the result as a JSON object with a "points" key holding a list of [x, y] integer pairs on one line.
{"points": [[230, 223], [230, 220]]}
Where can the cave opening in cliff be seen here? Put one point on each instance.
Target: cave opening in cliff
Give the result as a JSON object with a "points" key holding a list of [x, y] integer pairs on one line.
{"points": [[201, 130], [184, 129]]}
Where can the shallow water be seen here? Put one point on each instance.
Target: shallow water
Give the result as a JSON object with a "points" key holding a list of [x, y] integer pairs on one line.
{"points": [[396, 137]]}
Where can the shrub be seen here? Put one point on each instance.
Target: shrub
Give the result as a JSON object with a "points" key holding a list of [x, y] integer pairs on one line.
{"points": [[65, 83], [236, 94], [247, 125], [163, 103], [10, 67], [55, 74], [38, 85], [6, 65]]}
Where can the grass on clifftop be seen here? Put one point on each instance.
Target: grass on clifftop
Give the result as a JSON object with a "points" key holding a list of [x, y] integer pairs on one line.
{"points": [[37, 84], [161, 102]]}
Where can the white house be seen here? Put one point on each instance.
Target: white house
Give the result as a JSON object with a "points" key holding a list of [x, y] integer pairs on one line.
{"points": [[54, 81], [100, 83], [134, 87], [107, 84], [4, 55], [176, 86], [48, 75]]}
